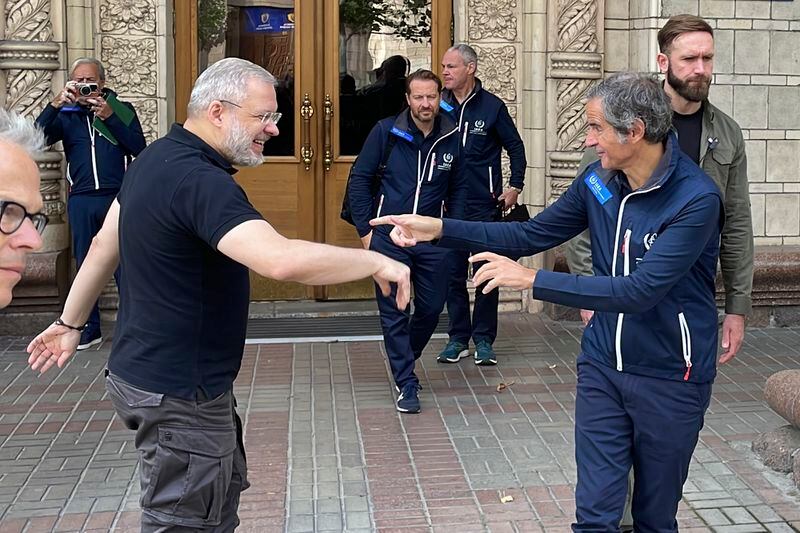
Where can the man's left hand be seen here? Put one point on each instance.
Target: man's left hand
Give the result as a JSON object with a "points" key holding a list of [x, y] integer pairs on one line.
{"points": [[100, 107], [732, 337], [509, 198], [501, 271]]}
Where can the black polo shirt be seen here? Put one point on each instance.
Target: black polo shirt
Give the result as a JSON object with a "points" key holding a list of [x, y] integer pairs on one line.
{"points": [[183, 305]]}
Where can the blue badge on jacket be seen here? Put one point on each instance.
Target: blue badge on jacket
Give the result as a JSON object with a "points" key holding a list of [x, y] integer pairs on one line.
{"points": [[444, 105], [404, 134], [598, 188]]}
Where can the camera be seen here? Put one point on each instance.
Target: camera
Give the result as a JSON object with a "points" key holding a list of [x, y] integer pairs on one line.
{"points": [[85, 89]]}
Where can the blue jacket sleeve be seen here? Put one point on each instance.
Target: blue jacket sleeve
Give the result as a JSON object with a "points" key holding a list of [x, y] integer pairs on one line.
{"points": [[130, 137], [556, 224], [50, 123], [672, 255], [361, 176], [512, 142], [457, 191]]}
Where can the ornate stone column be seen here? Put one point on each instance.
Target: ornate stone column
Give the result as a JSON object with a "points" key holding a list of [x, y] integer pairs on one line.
{"points": [[575, 61], [28, 59], [493, 28]]}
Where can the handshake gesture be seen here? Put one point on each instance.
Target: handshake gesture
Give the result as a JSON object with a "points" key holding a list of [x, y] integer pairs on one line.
{"points": [[498, 271]]}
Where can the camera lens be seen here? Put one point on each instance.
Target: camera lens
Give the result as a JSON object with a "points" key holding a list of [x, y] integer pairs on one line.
{"points": [[85, 90]]}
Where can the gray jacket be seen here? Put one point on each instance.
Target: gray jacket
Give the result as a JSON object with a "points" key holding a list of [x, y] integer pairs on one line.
{"points": [[723, 158]]}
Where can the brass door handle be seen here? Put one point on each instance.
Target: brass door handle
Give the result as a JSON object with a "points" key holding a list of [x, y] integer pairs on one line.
{"points": [[327, 158], [306, 151]]}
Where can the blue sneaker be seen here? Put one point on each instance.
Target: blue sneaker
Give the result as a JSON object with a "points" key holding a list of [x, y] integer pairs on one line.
{"points": [[89, 338], [484, 354], [408, 401], [453, 353]]}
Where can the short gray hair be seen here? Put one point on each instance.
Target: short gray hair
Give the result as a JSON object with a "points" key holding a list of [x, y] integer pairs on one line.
{"points": [[101, 70], [627, 96], [466, 52], [16, 129], [226, 79]]}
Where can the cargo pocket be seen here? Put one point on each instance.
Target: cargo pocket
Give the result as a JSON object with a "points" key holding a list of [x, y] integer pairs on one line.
{"points": [[191, 473]]}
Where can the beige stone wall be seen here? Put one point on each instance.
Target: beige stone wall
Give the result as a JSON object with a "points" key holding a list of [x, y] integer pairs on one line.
{"points": [[757, 82]]}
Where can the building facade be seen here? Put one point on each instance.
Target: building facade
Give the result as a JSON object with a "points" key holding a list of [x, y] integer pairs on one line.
{"points": [[540, 56]]}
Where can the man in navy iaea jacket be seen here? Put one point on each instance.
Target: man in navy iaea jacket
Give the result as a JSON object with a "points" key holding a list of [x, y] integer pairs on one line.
{"points": [[648, 356], [422, 176], [484, 129], [101, 135]]}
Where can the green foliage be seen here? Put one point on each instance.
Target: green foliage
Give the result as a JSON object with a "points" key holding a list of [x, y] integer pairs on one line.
{"points": [[212, 21], [410, 19]]}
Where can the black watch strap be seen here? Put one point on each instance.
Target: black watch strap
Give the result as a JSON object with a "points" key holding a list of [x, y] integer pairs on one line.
{"points": [[60, 322]]}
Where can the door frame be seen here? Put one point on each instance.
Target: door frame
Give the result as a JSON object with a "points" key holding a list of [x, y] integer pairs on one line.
{"points": [[323, 48]]}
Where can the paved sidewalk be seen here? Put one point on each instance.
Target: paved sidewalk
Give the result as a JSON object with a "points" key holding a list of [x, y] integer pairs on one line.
{"points": [[328, 452]]}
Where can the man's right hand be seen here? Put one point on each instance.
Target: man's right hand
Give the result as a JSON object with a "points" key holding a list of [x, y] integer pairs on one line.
{"points": [[586, 316], [67, 95], [410, 229], [55, 345], [391, 271]]}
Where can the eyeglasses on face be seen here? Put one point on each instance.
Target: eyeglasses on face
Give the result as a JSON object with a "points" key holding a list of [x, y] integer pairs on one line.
{"points": [[12, 215], [266, 118]]}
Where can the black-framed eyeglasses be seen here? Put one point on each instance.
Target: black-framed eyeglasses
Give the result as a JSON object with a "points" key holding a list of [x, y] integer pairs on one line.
{"points": [[266, 118], [12, 215]]}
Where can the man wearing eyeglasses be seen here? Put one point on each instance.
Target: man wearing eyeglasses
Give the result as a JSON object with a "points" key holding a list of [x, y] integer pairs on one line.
{"points": [[101, 135], [185, 236], [21, 221]]}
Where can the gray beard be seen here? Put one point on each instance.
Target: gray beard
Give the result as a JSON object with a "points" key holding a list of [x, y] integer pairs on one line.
{"points": [[236, 147]]}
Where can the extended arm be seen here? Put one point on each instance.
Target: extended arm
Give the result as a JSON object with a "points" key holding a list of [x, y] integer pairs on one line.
{"points": [[56, 344]]}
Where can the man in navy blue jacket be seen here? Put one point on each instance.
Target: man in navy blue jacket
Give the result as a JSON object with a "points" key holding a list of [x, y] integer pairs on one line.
{"points": [[421, 177], [485, 128], [101, 135], [648, 356]]}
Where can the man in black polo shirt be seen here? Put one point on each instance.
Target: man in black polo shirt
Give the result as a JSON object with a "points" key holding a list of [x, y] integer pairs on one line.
{"points": [[185, 235]]}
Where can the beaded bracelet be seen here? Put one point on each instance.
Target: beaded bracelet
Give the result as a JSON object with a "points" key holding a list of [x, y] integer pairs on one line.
{"points": [[60, 322]]}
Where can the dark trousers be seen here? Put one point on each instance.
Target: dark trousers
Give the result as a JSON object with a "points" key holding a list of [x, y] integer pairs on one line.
{"points": [[192, 465], [624, 420], [482, 325], [406, 335], [86, 213]]}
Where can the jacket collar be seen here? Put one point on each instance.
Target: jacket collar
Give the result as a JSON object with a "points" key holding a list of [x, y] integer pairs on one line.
{"points": [[181, 135], [450, 98], [405, 124]]}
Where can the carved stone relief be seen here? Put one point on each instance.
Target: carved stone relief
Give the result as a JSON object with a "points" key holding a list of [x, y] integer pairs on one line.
{"points": [[498, 69], [492, 20], [28, 20], [127, 15], [131, 64], [575, 63], [147, 110]]}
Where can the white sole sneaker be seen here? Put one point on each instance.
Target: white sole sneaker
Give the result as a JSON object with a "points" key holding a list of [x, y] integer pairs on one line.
{"points": [[89, 344], [461, 355]]}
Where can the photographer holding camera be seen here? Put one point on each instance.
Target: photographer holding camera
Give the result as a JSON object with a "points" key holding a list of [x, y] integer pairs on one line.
{"points": [[101, 135]]}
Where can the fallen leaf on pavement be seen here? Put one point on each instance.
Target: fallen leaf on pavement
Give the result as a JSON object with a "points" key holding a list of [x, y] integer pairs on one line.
{"points": [[502, 386], [506, 499]]}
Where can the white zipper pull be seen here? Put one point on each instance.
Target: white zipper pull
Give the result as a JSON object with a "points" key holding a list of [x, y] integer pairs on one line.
{"points": [[626, 256], [464, 138], [433, 164]]}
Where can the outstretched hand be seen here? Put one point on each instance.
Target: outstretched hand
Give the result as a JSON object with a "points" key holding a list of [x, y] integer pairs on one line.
{"points": [[409, 230], [55, 345], [391, 271], [732, 337], [500, 271]]}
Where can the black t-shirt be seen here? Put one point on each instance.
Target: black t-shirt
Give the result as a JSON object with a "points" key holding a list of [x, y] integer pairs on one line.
{"points": [[183, 305], [690, 128]]}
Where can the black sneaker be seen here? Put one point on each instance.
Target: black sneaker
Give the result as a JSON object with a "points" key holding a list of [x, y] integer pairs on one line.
{"points": [[408, 401], [89, 338]]}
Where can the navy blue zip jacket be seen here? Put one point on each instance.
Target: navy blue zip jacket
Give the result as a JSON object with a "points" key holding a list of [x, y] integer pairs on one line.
{"points": [[484, 128], [654, 253], [423, 174], [98, 165]]}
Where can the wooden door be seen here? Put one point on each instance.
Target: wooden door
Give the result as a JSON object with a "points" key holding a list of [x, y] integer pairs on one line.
{"points": [[311, 47]]}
